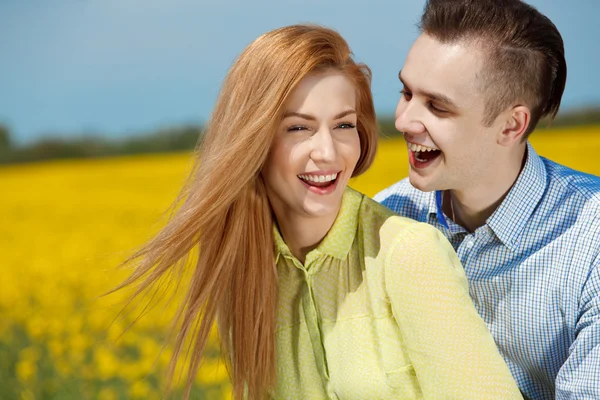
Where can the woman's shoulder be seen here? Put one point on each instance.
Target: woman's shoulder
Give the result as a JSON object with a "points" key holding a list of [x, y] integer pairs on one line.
{"points": [[390, 222], [376, 220]]}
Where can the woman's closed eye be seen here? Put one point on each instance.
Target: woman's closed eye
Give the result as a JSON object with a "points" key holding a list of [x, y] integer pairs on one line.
{"points": [[300, 128], [346, 125], [297, 128]]}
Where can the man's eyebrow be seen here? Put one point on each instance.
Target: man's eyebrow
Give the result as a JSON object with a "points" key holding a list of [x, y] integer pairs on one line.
{"points": [[311, 118], [439, 97], [402, 80]]}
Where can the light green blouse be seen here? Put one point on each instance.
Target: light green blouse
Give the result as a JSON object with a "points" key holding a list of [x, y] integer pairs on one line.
{"points": [[381, 310]]}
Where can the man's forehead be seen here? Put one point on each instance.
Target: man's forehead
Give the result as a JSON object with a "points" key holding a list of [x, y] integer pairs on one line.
{"points": [[450, 68]]}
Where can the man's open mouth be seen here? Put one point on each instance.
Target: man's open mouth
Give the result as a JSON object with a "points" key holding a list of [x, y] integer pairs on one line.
{"points": [[423, 154]]}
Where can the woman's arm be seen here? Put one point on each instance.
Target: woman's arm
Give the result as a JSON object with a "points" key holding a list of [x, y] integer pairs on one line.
{"points": [[450, 347]]}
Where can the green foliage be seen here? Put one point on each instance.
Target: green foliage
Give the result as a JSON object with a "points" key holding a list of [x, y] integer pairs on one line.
{"points": [[387, 128], [584, 116], [167, 140], [5, 141]]}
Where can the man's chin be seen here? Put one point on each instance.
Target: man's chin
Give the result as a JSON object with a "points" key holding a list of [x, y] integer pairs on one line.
{"points": [[418, 182]]}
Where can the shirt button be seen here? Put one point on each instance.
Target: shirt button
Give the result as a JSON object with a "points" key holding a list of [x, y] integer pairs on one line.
{"points": [[469, 243]]}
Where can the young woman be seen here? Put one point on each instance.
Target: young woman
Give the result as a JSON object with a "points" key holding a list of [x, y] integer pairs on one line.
{"points": [[319, 292]]}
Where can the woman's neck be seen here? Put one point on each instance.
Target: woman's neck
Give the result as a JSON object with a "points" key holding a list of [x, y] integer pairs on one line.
{"points": [[301, 233]]}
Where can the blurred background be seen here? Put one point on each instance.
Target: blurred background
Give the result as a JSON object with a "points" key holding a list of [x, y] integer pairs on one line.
{"points": [[101, 104]]}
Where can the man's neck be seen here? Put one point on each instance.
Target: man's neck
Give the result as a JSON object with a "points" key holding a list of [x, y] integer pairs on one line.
{"points": [[471, 207]]}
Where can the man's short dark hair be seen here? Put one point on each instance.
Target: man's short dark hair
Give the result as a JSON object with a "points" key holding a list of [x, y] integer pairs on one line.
{"points": [[525, 61]]}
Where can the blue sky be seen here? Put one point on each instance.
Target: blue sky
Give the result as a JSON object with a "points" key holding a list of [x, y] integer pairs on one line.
{"points": [[120, 67]]}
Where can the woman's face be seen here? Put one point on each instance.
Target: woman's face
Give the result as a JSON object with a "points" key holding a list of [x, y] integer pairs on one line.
{"points": [[315, 150]]}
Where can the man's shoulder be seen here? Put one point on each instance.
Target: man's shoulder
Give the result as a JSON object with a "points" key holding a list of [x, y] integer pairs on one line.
{"points": [[572, 203], [405, 199], [582, 187]]}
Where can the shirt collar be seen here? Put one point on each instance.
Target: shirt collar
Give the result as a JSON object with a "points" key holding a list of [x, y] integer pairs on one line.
{"points": [[339, 239], [436, 212], [510, 218]]}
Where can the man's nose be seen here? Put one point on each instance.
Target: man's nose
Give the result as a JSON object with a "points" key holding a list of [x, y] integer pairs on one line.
{"points": [[408, 117]]}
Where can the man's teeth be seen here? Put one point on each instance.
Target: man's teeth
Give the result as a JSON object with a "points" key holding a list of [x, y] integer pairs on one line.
{"points": [[417, 147], [318, 178]]}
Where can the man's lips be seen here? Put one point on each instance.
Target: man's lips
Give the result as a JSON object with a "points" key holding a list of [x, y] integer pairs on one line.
{"points": [[420, 157]]}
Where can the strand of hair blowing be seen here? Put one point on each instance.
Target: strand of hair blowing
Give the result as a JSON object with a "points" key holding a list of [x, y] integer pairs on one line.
{"points": [[241, 288], [225, 214]]}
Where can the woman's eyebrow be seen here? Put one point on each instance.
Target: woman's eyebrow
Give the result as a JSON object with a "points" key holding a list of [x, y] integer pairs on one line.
{"points": [[311, 118], [300, 115], [344, 113]]}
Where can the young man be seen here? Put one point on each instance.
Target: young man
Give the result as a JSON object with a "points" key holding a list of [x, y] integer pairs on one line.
{"points": [[527, 230]]}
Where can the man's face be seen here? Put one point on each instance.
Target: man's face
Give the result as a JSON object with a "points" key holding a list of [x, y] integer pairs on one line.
{"points": [[441, 113]]}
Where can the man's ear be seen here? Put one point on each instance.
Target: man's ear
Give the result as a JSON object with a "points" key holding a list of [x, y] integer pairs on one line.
{"points": [[517, 121]]}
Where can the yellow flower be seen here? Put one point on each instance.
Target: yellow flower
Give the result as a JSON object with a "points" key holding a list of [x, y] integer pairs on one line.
{"points": [[139, 390], [130, 372], [106, 363], [27, 395], [228, 393], [56, 347], [36, 327], [79, 343], [107, 394], [63, 367], [26, 370], [30, 353], [212, 371]]}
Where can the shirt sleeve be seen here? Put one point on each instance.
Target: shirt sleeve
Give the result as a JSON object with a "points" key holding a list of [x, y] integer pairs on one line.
{"points": [[579, 377], [452, 351]]}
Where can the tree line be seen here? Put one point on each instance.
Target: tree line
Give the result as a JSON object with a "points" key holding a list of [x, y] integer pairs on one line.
{"points": [[179, 138]]}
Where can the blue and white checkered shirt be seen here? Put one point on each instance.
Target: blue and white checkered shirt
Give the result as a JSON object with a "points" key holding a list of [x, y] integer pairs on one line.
{"points": [[534, 274]]}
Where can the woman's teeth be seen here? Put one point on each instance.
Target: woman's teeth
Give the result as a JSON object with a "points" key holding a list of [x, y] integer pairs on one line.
{"points": [[318, 178]]}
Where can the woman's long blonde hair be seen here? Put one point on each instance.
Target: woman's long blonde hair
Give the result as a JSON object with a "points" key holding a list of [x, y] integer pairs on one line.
{"points": [[225, 213]]}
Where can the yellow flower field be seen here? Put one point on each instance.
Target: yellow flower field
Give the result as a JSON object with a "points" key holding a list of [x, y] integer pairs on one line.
{"points": [[66, 225]]}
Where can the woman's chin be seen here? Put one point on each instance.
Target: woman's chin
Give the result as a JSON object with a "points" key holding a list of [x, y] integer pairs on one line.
{"points": [[323, 208]]}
